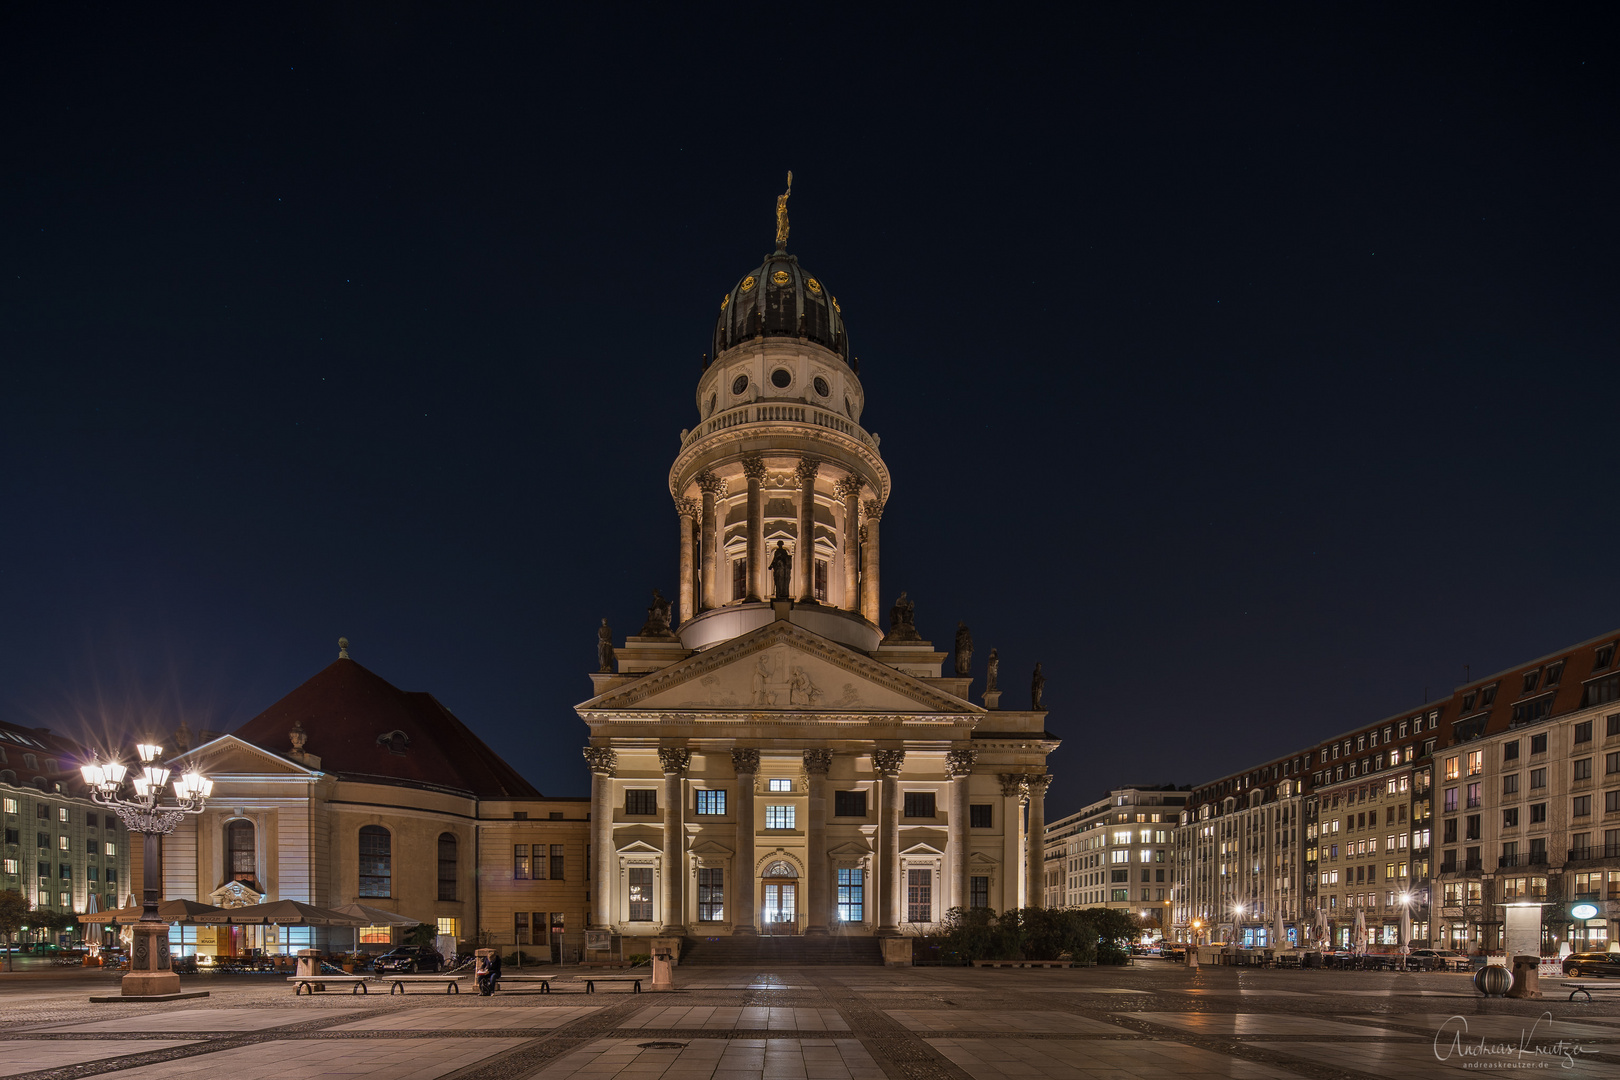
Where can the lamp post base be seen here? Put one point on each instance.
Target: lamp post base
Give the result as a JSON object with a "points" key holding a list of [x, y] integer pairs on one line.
{"points": [[149, 972]]}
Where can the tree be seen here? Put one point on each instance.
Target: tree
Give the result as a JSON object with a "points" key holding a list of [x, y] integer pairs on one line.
{"points": [[14, 909]]}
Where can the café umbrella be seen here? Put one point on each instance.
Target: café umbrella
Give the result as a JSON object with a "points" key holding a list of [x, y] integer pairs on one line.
{"points": [[280, 913], [375, 917], [169, 911]]}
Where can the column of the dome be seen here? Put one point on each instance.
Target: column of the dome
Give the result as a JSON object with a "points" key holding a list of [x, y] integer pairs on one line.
{"points": [[804, 555], [745, 763], [1035, 855], [675, 761], [869, 579], [849, 493], [710, 485], [888, 764], [688, 510], [603, 763], [754, 470], [817, 763], [959, 767]]}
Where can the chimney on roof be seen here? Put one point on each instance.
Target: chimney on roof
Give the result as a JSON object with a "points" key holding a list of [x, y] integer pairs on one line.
{"points": [[343, 648]]}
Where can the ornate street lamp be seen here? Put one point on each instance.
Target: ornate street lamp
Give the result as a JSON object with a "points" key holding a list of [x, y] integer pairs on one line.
{"points": [[142, 810]]}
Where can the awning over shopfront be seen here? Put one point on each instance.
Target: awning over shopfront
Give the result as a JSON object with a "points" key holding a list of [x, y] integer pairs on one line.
{"points": [[170, 911], [377, 916], [280, 913]]}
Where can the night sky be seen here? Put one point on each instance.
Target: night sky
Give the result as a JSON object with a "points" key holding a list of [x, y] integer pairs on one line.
{"points": [[1255, 372]]}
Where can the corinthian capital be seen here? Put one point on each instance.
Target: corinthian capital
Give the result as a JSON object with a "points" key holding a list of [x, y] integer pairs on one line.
{"points": [[745, 761], [602, 759], [873, 509], [817, 762], [754, 467], [1012, 784], [1037, 784], [687, 506], [710, 484], [806, 469], [888, 762], [848, 487], [959, 763], [675, 760]]}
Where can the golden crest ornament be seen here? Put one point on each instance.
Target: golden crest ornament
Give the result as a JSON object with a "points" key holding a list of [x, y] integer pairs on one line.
{"points": [[836, 307], [748, 283], [724, 300], [781, 277], [815, 286]]}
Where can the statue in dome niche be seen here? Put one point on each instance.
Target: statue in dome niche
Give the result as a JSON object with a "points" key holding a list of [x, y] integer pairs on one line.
{"points": [[1037, 684], [658, 617], [604, 647], [964, 650], [781, 572]]}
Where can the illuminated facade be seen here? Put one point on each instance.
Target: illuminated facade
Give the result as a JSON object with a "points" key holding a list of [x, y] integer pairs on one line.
{"points": [[1117, 853]]}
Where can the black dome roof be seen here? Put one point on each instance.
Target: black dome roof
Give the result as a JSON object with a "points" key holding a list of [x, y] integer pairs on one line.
{"points": [[778, 299]]}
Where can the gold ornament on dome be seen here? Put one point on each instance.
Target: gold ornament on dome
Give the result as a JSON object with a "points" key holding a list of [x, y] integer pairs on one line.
{"points": [[815, 286], [782, 215], [748, 283], [836, 307], [781, 277], [724, 300]]}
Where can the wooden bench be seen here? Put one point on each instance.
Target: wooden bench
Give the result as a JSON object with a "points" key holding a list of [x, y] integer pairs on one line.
{"points": [[590, 981], [397, 982], [1586, 988], [544, 980], [306, 984]]}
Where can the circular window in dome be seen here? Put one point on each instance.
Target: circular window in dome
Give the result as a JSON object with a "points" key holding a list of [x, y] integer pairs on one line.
{"points": [[821, 386], [738, 385], [814, 285], [781, 277], [781, 377], [748, 283]]}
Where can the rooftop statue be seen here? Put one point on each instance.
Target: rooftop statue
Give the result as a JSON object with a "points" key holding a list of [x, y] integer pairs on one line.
{"points": [[658, 617], [1037, 683], [902, 621], [964, 650], [992, 671], [604, 647], [781, 215]]}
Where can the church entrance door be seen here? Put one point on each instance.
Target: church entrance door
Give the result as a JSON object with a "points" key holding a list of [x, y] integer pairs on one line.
{"points": [[781, 915]]}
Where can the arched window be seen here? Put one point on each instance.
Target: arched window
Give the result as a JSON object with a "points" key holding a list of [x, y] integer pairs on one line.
{"points": [[241, 863], [447, 866], [376, 861]]}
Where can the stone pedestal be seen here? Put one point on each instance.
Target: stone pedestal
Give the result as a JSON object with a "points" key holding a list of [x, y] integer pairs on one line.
{"points": [[662, 965], [669, 945], [1526, 977], [309, 963], [896, 951], [149, 974]]}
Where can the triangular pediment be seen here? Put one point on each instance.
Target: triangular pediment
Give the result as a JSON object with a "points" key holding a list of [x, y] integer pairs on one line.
{"points": [[852, 849], [640, 847], [780, 668], [979, 858], [922, 849], [235, 894], [710, 849], [228, 756]]}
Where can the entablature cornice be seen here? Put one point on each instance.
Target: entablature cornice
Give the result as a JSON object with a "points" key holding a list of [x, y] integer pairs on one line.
{"points": [[792, 437]]}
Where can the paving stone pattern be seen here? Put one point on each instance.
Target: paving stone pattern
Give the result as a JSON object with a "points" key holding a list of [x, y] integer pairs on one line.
{"points": [[1150, 1022]]}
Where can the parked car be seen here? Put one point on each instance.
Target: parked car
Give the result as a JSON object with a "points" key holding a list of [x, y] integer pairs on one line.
{"points": [[1440, 959], [408, 959], [1599, 965]]}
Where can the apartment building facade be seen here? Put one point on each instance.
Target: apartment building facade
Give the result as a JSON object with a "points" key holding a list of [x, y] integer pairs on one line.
{"points": [[1117, 853]]}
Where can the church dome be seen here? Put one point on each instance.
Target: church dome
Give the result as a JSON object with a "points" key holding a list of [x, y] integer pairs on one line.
{"points": [[779, 299]]}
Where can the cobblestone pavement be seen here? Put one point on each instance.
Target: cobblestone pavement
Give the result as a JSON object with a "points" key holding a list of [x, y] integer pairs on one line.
{"points": [[1149, 1021]]}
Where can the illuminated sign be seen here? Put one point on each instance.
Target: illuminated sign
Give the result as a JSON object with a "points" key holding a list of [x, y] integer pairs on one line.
{"points": [[1584, 911]]}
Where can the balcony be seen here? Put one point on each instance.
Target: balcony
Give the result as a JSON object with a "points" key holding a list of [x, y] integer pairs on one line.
{"points": [[1603, 851], [1533, 858]]}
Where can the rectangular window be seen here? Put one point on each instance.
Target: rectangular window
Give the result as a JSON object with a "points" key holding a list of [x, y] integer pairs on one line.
{"points": [[978, 892], [1538, 778], [1510, 784], [919, 804], [1476, 762], [1581, 806], [13, 867], [1602, 691], [711, 801], [849, 804], [1583, 769], [779, 817], [739, 579], [779, 783], [42, 812], [11, 806], [1450, 800], [1538, 744], [557, 862], [851, 895], [640, 880], [1611, 763], [711, 894], [1473, 795], [1510, 750], [66, 871], [980, 816], [919, 896], [1583, 731], [520, 862], [520, 927], [1538, 813], [1453, 768], [62, 814], [1471, 827], [1611, 801], [1510, 818], [63, 843], [1120, 895], [821, 581], [641, 801], [449, 927]]}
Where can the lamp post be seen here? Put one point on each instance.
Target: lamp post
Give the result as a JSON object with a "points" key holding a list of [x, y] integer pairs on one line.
{"points": [[142, 810]]}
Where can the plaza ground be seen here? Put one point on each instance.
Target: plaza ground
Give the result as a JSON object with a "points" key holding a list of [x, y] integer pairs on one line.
{"points": [[1153, 1019]]}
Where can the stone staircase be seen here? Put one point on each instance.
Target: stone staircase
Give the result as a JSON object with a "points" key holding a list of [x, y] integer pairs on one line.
{"points": [[785, 951]]}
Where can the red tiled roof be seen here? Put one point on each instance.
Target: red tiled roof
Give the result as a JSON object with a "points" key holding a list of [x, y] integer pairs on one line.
{"points": [[363, 727]]}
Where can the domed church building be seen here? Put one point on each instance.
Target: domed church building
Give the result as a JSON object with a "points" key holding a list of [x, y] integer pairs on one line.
{"points": [[766, 758]]}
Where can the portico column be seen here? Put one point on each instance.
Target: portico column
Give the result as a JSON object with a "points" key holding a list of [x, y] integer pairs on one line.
{"points": [[603, 763], [816, 764], [959, 767], [745, 763], [710, 485], [849, 492], [1012, 838], [887, 764], [804, 548], [869, 575], [754, 470], [1035, 846], [675, 761], [688, 510]]}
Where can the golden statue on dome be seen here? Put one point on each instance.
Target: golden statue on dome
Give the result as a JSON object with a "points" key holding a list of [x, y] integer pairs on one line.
{"points": [[781, 215]]}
